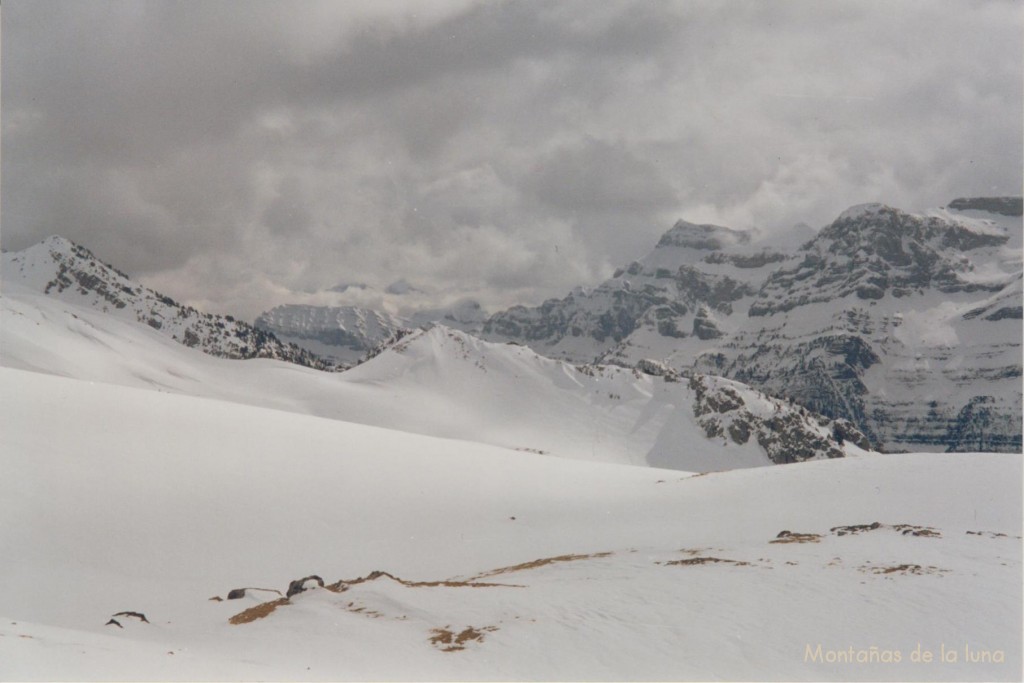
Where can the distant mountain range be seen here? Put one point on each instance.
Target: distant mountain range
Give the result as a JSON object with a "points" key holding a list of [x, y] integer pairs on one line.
{"points": [[907, 325], [906, 328], [445, 383], [345, 334]]}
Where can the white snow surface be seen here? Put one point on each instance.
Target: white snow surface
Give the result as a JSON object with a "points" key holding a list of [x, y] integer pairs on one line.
{"points": [[140, 475], [439, 382], [119, 499]]}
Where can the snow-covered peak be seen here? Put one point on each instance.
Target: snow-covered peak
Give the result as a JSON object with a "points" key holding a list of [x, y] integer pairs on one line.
{"points": [[58, 243], [859, 211], [704, 237], [59, 268]]}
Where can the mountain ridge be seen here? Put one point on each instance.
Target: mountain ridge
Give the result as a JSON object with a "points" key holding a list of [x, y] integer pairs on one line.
{"points": [[821, 324], [62, 269], [444, 383]]}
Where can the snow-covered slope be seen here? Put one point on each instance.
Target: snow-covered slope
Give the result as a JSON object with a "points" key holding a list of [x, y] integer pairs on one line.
{"points": [[908, 325], [500, 565], [70, 272], [342, 333], [443, 382], [348, 333]]}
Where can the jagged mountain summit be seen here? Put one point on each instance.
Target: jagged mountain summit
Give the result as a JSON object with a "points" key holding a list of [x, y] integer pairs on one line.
{"points": [[67, 271], [907, 325]]}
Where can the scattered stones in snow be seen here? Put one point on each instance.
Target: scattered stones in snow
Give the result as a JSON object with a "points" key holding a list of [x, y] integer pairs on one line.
{"points": [[134, 615], [137, 615], [344, 584], [705, 560], [791, 537], [854, 528], [360, 609], [905, 529], [300, 585], [914, 569], [910, 529], [237, 593], [991, 534]]}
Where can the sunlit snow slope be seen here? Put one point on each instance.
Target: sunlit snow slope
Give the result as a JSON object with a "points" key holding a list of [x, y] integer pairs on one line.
{"points": [[501, 565], [438, 382]]}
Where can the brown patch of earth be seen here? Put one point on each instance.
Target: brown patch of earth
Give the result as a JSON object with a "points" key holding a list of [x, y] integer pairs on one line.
{"points": [[533, 564], [447, 640], [258, 611]]}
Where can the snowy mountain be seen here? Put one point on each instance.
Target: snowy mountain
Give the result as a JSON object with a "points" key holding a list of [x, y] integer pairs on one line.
{"points": [[64, 270], [446, 383], [907, 325], [684, 292], [499, 392], [347, 334], [487, 512], [342, 333], [151, 536]]}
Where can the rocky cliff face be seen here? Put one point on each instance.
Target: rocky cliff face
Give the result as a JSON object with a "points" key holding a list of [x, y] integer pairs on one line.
{"points": [[787, 433], [63, 269], [908, 326], [688, 289]]}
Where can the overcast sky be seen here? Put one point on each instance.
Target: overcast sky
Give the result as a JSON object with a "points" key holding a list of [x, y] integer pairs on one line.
{"points": [[237, 155]]}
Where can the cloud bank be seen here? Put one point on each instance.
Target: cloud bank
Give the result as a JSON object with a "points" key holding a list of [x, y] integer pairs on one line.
{"points": [[237, 155]]}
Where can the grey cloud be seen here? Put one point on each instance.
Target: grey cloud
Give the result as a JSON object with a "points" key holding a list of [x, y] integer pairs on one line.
{"points": [[240, 154], [287, 212], [597, 176]]}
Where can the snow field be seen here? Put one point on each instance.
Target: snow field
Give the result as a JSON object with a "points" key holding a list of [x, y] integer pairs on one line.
{"points": [[140, 500]]}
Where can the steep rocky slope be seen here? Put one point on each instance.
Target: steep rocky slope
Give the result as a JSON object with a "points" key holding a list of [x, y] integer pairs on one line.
{"points": [[685, 293], [907, 325], [62, 269]]}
